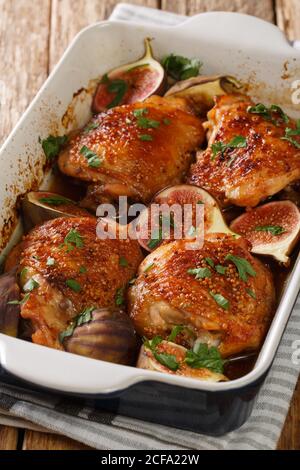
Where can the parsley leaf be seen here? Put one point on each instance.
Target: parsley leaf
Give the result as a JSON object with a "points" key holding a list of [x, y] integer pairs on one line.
{"points": [[56, 200], [119, 297], [146, 137], [117, 86], [236, 142], [84, 317], [72, 240], [146, 123], [167, 360], [73, 284], [251, 293], [175, 332], [30, 285], [123, 262], [140, 112], [92, 158], [204, 357], [273, 229], [243, 266], [220, 300], [290, 133], [200, 273], [181, 68], [53, 145], [90, 126], [267, 113], [19, 302], [220, 269], [210, 261]]}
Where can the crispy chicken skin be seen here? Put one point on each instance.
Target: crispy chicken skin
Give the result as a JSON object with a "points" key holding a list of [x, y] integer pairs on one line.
{"points": [[167, 295], [245, 176], [130, 165], [95, 266]]}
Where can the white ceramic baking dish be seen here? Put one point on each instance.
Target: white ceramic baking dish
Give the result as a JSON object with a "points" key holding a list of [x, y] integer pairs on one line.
{"points": [[229, 43]]}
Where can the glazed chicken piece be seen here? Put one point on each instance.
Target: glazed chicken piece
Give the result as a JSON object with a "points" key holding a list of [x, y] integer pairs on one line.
{"points": [[135, 149], [65, 268], [247, 175], [222, 307]]}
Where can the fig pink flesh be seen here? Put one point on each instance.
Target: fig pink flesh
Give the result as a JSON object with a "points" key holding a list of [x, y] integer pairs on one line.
{"points": [[142, 82], [282, 214]]}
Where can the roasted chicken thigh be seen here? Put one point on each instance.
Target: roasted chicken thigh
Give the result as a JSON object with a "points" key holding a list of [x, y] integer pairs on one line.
{"points": [[220, 292], [259, 164], [65, 268], [135, 149]]}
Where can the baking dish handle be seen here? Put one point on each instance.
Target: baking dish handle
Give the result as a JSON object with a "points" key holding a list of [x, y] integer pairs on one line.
{"points": [[243, 30]]}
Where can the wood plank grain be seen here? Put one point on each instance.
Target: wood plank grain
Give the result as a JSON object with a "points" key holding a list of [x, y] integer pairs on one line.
{"points": [[24, 34], [263, 9], [288, 17], [8, 438], [67, 20], [34, 440]]}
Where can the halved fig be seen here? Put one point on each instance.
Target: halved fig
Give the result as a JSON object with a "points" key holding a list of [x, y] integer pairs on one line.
{"points": [[147, 360], [174, 213], [200, 91], [108, 335], [39, 206], [9, 304], [273, 229], [130, 83]]}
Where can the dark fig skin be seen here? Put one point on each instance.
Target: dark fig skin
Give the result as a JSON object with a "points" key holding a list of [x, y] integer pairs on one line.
{"points": [[109, 336], [9, 314]]}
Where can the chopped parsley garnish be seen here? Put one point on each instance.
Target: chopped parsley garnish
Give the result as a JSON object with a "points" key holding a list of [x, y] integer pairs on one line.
{"points": [[73, 284], [290, 133], [140, 112], [200, 273], [56, 200], [236, 142], [82, 269], [267, 113], [146, 137], [90, 126], [220, 269], [273, 229], [146, 123], [119, 297], [201, 356], [251, 293], [83, 317], [117, 86], [181, 68], [50, 261], [167, 360], [242, 265], [150, 266], [53, 145], [19, 302], [92, 158], [73, 240], [176, 330], [210, 261], [30, 285], [167, 121], [23, 273], [220, 300], [123, 262]]}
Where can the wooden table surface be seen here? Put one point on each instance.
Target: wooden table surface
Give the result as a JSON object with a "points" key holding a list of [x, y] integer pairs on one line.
{"points": [[32, 39]]}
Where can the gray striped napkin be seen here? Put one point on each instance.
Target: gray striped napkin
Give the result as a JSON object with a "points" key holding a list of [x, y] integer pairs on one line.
{"points": [[103, 430]]}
